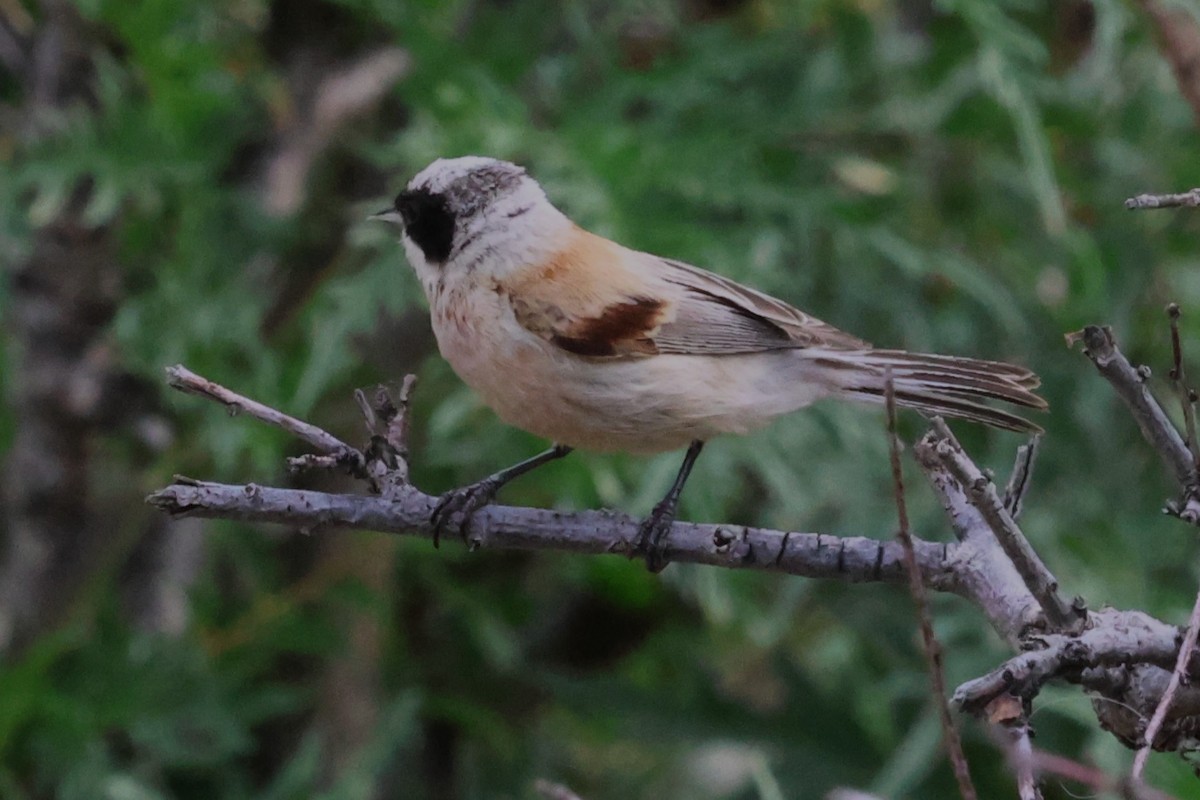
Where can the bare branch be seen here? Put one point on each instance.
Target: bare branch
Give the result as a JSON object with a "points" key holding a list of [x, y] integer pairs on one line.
{"points": [[1189, 199], [312, 461], [1021, 477], [181, 378], [916, 587], [982, 492], [1152, 420], [1092, 777], [1114, 638], [1123, 657], [1130, 385], [399, 420], [854, 559], [1187, 398], [1178, 675], [988, 576], [1021, 757]]}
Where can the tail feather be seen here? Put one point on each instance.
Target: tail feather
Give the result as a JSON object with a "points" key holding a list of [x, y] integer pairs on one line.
{"points": [[898, 359], [940, 385]]}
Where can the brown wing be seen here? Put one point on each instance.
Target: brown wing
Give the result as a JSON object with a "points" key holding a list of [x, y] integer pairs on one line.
{"points": [[598, 299], [587, 300], [622, 328], [717, 304]]}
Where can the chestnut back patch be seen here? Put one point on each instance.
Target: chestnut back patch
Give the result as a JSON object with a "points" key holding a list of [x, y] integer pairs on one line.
{"points": [[620, 328]]}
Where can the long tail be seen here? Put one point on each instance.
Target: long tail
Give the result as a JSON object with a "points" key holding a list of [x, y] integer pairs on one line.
{"points": [[945, 385]]}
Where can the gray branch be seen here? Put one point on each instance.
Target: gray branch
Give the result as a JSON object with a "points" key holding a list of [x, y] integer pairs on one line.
{"points": [[814, 555], [1188, 199], [1130, 385], [981, 493], [1116, 638], [1124, 657], [181, 378]]}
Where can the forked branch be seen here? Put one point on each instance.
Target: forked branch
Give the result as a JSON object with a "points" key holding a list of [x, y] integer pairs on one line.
{"points": [[990, 563]]}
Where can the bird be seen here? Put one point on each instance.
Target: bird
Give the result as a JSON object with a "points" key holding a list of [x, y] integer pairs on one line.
{"points": [[595, 346]]}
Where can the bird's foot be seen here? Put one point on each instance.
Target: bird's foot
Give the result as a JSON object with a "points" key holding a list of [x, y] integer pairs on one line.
{"points": [[455, 508], [652, 536]]}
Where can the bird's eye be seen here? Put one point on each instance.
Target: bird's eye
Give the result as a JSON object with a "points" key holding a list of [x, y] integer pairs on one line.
{"points": [[428, 221]]}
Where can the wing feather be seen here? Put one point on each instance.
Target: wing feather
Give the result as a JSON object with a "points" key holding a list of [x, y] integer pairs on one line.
{"points": [[600, 300], [714, 290], [718, 315]]}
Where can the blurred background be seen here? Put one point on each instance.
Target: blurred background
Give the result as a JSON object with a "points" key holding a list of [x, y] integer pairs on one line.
{"points": [[188, 182]]}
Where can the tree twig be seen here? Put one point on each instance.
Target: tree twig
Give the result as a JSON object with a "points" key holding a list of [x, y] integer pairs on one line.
{"points": [[1114, 638], [1060, 614], [1152, 420], [181, 378], [1021, 476], [1188, 199], [986, 572], [1021, 756], [1187, 398], [1130, 385], [1093, 777], [1178, 675], [916, 587]]}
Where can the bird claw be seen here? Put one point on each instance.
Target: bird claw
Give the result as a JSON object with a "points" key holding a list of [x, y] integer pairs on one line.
{"points": [[455, 508], [652, 537]]}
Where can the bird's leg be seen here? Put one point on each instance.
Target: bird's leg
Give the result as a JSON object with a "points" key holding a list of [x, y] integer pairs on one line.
{"points": [[466, 500], [652, 537]]}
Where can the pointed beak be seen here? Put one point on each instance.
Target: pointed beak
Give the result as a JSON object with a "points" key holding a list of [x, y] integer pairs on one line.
{"points": [[390, 216]]}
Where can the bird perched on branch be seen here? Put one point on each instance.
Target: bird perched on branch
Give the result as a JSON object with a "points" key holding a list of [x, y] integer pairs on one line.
{"points": [[575, 338]]}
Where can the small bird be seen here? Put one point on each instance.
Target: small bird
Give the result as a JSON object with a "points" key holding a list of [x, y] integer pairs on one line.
{"points": [[577, 339]]}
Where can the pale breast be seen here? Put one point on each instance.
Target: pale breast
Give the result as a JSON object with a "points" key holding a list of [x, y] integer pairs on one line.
{"points": [[640, 405]]}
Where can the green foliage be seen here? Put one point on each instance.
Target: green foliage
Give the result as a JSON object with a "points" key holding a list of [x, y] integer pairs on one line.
{"points": [[948, 179]]}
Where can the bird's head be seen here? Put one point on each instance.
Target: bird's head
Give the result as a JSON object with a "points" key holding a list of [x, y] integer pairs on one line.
{"points": [[459, 212]]}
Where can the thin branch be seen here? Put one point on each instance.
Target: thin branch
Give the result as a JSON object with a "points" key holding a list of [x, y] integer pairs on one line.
{"points": [[916, 587], [181, 378], [1164, 705], [1038, 579], [1187, 398], [1114, 638], [987, 574], [1021, 477], [1029, 764], [1093, 777], [1188, 508], [1189, 199], [401, 421], [1130, 385], [1152, 420], [388, 424], [311, 462], [1020, 756]]}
